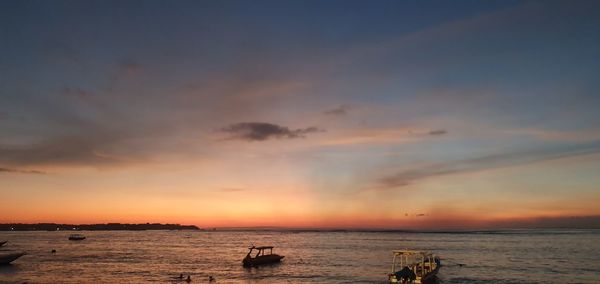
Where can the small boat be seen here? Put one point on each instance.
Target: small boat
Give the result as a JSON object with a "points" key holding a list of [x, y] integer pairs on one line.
{"points": [[3, 242], [7, 258], [264, 255], [76, 237], [414, 267]]}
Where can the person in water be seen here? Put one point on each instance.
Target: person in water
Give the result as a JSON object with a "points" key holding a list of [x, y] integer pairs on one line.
{"points": [[188, 279]]}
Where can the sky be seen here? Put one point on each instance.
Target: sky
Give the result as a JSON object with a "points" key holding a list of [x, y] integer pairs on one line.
{"points": [[319, 114]]}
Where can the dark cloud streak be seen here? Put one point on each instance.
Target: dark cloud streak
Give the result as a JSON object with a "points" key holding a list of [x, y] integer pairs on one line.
{"points": [[437, 132], [76, 92], [341, 110], [19, 171], [260, 131]]}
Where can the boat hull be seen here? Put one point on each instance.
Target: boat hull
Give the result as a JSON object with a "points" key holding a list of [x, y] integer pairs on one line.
{"points": [[262, 260], [7, 258], [430, 277]]}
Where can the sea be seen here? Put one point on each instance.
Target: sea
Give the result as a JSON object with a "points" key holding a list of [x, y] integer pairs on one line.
{"points": [[513, 256]]}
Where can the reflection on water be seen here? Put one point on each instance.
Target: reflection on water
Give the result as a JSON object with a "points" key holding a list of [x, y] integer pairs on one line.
{"points": [[310, 257]]}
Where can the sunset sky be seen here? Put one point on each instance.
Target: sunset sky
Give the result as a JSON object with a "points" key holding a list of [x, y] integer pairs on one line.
{"points": [[370, 114]]}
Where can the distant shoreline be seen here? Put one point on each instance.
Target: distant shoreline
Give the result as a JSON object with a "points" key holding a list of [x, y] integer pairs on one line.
{"points": [[94, 227], [410, 231], [177, 227]]}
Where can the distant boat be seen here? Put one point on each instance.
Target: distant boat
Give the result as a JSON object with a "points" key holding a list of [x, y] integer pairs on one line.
{"points": [[7, 258], [76, 237], [414, 267], [2, 243], [264, 255]]}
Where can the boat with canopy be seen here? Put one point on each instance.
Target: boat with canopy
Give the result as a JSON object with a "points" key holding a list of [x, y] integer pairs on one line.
{"points": [[76, 237], [264, 255], [413, 267]]}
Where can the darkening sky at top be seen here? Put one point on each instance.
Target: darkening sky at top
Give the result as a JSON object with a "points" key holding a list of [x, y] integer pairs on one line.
{"points": [[329, 113]]}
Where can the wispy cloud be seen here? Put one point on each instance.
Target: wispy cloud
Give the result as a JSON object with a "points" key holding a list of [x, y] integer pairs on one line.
{"points": [[76, 150], [517, 158], [557, 135], [393, 135], [19, 171], [341, 110], [260, 131], [129, 67], [438, 132], [231, 189], [76, 92]]}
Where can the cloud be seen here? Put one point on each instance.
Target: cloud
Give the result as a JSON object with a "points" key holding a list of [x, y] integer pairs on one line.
{"points": [[557, 135], [76, 92], [392, 135], [341, 110], [9, 170], [438, 132], [231, 189], [260, 131], [73, 150], [129, 67], [407, 177]]}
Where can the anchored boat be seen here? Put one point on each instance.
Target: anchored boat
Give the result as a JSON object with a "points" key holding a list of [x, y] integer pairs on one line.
{"points": [[414, 267], [76, 237], [264, 255]]}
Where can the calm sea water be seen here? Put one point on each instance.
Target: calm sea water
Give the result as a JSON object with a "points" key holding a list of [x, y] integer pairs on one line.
{"points": [[310, 257]]}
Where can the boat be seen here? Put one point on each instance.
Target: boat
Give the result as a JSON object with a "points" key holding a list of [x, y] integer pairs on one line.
{"points": [[414, 267], [76, 237], [263, 256], [3, 242], [7, 258]]}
